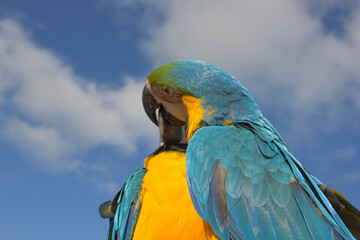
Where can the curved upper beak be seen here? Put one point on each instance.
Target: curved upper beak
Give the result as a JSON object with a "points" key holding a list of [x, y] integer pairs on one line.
{"points": [[150, 105]]}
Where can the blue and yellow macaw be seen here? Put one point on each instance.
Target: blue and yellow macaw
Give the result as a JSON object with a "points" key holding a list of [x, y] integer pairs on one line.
{"points": [[242, 178], [155, 203]]}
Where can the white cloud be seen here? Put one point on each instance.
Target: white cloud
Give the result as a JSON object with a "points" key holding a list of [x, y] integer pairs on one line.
{"points": [[352, 177], [276, 41], [43, 143], [102, 186], [279, 49], [305, 76], [51, 113], [302, 73]]}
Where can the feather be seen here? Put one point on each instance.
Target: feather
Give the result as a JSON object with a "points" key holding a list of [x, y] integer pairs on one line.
{"points": [[279, 220], [128, 208], [266, 204], [347, 212], [266, 228], [316, 225]]}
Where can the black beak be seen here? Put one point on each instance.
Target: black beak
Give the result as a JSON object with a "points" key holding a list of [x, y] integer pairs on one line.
{"points": [[150, 105]]}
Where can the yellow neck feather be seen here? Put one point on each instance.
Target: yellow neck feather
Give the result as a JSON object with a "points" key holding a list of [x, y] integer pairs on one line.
{"points": [[195, 114]]}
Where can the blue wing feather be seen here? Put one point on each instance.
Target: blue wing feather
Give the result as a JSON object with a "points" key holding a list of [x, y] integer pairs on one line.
{"points": [[268, 193], [298, 228], [129, 206], [262, 216], [279, 220]]}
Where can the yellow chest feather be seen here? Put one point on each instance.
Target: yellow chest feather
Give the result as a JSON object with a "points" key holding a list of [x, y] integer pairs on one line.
{"points": [[167, 211]]}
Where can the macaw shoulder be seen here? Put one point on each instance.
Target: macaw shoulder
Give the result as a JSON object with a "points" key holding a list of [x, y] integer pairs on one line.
{"points": [[236, 144], [241, 151]]}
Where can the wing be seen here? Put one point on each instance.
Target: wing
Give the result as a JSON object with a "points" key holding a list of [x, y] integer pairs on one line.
{"points": [[349, 214], [246, 185], [126, 206]]}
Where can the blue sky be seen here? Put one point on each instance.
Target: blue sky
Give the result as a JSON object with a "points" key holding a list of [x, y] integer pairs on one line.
{"points": [[72, 128]]}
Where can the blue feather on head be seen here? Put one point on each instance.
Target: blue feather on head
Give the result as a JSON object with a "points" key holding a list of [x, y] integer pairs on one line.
{"points": [[221, 94]]}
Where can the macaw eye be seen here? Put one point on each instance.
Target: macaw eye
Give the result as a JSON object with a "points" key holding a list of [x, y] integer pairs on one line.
{"points": [[166, 89], [168, 93]]}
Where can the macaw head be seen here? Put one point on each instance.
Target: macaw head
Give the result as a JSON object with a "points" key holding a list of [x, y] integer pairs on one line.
{"points": [[200, 94]]}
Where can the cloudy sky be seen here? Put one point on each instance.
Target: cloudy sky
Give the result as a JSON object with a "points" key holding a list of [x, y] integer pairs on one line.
{"points": [[72, 127]]}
